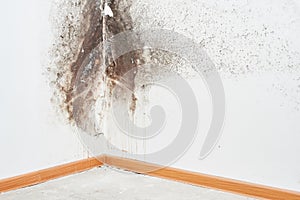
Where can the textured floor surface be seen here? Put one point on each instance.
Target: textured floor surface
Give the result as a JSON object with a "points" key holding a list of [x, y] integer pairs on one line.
{"points": [[108, 183]]}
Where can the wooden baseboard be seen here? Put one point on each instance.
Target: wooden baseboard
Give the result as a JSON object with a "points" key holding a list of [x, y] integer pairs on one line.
{"points": [[224, 184], [47, 174], [203, 180]]}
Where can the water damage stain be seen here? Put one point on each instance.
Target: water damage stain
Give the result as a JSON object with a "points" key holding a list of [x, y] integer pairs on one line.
{"points": [[88, 72], [84, 72]]}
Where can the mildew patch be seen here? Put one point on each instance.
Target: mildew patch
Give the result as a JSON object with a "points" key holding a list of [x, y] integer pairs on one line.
{"points": [[239, 39], [83, 72], [82, 69], [242, 38]]}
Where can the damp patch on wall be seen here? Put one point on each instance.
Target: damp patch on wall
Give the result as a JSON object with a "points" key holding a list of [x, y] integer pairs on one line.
{"points": [[82, 71], [239, 39]]}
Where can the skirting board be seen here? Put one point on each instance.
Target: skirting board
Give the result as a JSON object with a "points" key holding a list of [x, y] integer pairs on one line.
{"points": [[203, 180], [47, 174]]}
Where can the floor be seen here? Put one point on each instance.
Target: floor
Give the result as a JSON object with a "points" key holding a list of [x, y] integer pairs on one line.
{"points": [[113, 184]]}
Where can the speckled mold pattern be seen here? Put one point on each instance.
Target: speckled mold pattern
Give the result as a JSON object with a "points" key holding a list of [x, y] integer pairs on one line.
{"points": [[239, 36]]}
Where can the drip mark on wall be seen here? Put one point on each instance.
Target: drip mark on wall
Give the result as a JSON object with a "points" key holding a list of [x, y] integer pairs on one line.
{"points": [[79, 74], [83, 72]]}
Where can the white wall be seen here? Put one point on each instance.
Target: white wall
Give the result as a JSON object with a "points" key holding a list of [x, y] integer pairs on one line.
{"points": [[260, 140], [32, 138], [255, 46]]}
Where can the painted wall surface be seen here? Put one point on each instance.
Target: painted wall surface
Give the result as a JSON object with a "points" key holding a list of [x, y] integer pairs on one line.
{"points": [[253, 44], [32, 137], [256, 47]]}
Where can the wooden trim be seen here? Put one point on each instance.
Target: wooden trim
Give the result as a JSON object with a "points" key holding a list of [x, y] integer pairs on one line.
{"points": [[224, 184], [47, 174]]}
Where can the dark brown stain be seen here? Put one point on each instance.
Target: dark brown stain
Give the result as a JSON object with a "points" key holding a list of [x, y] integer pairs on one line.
{"points": [[90, 67], [92, 58], [133, 103], [92, 38]]}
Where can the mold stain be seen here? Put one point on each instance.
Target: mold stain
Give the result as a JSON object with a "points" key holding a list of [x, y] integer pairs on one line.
{"points": [[83, 73], [87, 72]]}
